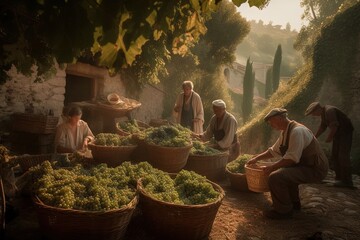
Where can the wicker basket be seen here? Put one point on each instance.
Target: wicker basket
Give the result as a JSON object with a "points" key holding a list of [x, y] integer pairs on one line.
{"points": [[2, 207], [121, 132], [34, 123], [211, 166], [168, 159], [59, 223], [237, 180], [28, 161], [256, 179], [173, 221], [112, 156], [140, 152]]}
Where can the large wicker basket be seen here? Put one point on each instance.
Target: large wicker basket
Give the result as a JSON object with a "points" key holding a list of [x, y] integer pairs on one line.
{"points": [[122, 132], [59, 223], [237, 180], [256, 178], [34, 123], [2, 207], [173, 221], [210, 166], [168, 159], [28, 161], [111, 155]]}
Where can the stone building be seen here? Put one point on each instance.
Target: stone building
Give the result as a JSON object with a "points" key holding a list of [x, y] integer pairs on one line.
{"points": [[75, 83]]}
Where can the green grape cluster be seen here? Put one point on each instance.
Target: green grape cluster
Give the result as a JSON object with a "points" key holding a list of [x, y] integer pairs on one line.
{"points": [[168, 136], [194, 189], [96, 189], [111, 139], [200, 148], [187, 188], [4, 154], [130, 126], [238, 165]]}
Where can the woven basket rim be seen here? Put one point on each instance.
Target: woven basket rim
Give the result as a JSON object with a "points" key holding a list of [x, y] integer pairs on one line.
{"points": [[226, 153], [154, 145], [34, 155], [232, 173], [130, 205], [257, 169], [217, 188], [112, 147]]}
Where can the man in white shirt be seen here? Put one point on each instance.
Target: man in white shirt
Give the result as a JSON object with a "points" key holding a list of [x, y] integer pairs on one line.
{"points": [[223, 127], [302, 161]]}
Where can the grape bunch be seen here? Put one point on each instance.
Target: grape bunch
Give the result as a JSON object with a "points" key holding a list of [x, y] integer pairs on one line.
{"points": [[238, 165], [168, 136], [187, 188], [4, 154], [96, 189], [200, 148], [130, 126], [111, 139]]}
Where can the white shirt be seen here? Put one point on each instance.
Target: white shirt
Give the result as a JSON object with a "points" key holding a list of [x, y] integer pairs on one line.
{"points": [[228, 123], [64, 138], [300, 137]]}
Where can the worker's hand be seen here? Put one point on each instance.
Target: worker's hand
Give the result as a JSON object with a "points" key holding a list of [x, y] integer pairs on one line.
{"points": [[87, 140], [195, 135], [177, 108], [252, 161], [268, 169]]}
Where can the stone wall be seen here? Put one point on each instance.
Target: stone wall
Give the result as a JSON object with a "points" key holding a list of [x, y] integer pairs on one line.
{"points": [[20, 91]]}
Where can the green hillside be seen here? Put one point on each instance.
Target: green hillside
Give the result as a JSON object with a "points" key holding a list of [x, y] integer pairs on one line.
{"points": [[260, 45]]}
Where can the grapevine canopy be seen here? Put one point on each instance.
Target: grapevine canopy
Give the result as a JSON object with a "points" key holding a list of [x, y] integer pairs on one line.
{"points": [[110, 33]]}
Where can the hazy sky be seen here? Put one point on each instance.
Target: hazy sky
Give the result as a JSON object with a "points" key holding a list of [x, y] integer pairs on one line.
{"points": [[279, 12]]}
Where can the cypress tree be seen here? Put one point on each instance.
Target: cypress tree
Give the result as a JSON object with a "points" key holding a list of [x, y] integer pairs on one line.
{"points": [[276, 68], [268, 84], [248, 91]]}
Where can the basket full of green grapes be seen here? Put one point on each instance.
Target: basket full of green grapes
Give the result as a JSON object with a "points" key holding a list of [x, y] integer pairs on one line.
{"points": [[112, 149], [126, 128], [207, 161], [168, 147], [179, 206], [83, 203], [235, 172]]}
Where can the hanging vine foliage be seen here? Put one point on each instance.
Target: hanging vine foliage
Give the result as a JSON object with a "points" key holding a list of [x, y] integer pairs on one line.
{"points": [[35, 32]]}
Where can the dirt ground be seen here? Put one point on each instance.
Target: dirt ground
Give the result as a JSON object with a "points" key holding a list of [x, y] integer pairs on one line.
{"points": [[334, 212]]}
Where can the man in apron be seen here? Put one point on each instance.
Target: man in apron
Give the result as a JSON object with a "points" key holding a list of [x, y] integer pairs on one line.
{"points": [[341, 131], [302, 161], [188, 109], [222, 127]]}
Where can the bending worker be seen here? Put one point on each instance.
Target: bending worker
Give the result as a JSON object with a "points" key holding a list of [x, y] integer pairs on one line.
{"points": [[223, 127], [302, 161], [341, 131]]}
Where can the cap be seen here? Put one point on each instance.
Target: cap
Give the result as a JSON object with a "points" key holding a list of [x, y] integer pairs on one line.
{"points": [[219, 103], [275, 112], [311, 108]]}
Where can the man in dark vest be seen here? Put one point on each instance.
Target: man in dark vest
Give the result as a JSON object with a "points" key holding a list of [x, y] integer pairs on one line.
{"points": [[341, 131], [302, 161], [222, 127]]}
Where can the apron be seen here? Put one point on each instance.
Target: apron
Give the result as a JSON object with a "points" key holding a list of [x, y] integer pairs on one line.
{"points": [[234, 149], [312, 155], [187, 115]]}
